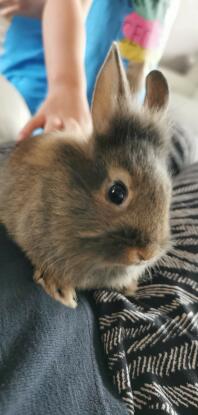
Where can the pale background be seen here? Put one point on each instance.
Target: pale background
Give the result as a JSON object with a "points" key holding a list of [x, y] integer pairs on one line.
{"points": [[184, 35], [182, 55]]}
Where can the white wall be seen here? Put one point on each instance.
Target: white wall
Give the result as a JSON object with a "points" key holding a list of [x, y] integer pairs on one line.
{"points": [[184, 35]]}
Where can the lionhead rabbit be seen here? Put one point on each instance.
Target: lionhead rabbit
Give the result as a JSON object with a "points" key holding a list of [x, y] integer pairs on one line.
{"points": [[94, 213]]}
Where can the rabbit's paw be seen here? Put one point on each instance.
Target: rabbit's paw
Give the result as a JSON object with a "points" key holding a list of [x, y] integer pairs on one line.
{"points": [[130, 289], [64, 293]]}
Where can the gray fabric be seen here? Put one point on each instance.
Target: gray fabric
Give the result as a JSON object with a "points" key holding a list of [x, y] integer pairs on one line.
{"points": [[51, 358]]}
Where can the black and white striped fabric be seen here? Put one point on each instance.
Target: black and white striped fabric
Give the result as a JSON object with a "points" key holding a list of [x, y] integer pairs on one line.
{"points": [[151, 341]]}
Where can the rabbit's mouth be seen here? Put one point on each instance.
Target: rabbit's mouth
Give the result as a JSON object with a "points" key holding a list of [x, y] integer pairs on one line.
{"points": [[124, 247], [135, 257]]}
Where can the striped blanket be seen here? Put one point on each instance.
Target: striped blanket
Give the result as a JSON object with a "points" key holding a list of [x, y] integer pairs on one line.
{"points": [[151, 341]]}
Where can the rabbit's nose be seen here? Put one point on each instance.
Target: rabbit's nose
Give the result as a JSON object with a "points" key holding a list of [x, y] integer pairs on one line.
{"points": [[138, 255]]}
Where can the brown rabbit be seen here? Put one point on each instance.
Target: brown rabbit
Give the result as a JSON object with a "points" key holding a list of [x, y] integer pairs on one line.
{"points": [[94, 213]]}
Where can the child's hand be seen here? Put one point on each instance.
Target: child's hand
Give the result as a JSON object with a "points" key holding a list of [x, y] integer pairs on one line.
{"points": [[63, 109], [30, 8]]}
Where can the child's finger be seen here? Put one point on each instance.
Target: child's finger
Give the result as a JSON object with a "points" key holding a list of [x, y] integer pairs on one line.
{"points": [[36, 122]]}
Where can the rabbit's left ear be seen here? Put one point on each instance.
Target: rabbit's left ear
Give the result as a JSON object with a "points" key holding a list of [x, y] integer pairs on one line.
{"points": [[111, 92], [157, 91]]}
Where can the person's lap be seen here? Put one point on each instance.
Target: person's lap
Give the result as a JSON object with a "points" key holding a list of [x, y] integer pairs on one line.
{"points": [[51, 360]]}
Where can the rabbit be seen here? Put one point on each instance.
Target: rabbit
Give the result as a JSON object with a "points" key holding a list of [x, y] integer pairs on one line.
{"points": [[94, 212]]}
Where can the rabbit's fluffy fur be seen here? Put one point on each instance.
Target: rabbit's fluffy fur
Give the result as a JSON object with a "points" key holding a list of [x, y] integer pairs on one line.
{"points": [[54, 192]]}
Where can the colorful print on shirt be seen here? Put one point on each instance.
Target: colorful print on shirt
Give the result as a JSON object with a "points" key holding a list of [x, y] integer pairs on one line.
{"points": [[146, 28]]}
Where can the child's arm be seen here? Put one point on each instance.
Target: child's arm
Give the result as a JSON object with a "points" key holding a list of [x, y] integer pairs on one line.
{"points": [[64, 42]]}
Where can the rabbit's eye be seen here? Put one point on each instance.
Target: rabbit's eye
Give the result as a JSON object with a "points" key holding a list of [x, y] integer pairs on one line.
{"points": [[117, 193]]}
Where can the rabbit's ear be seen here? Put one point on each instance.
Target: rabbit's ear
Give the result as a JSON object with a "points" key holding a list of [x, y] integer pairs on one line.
{"points": [[111, 92], [157, 91]]}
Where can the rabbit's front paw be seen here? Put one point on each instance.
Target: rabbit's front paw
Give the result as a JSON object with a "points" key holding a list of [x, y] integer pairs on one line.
{"points": [[130, 289], [64, 293]]}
